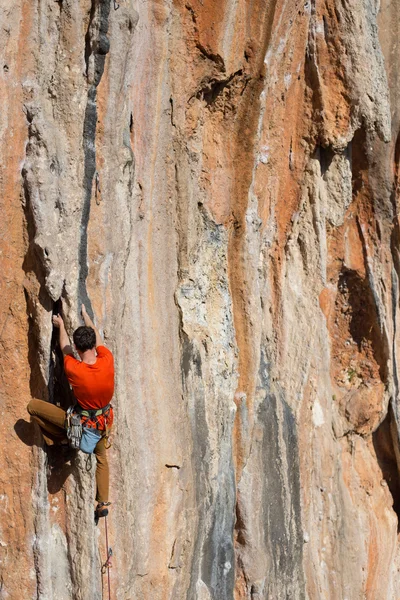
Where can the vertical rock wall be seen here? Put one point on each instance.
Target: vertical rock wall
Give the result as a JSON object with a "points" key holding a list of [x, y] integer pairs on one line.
{"points": [[218, 182]]}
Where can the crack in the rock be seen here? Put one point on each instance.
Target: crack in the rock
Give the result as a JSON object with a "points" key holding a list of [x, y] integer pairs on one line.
{"points": [[394, 247], [98, 45], [215, 58]]}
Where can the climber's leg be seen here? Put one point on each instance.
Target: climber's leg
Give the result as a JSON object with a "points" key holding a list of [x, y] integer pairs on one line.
{"points": [[50, 418], [102, 471]]}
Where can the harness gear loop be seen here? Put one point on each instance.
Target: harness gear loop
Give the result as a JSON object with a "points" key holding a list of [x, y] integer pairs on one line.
{"points": [[91, 416]]}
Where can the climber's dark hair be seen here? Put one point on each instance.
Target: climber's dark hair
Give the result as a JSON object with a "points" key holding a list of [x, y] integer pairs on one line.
{"points": [[84, 338]]}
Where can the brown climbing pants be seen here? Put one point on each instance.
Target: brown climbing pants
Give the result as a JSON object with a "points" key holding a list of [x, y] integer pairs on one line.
{"points": [[51, 420]]}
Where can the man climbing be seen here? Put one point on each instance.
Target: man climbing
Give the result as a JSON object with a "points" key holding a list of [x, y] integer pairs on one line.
{"points": [[92, 380]]}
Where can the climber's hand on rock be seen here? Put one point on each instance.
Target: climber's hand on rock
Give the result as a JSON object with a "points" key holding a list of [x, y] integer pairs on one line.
{"points": [[89, 323], [58, 321], [63, 336], [86, 319]]}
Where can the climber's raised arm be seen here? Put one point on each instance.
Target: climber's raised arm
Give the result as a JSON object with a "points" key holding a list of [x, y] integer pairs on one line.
{"points": [[65, 344], [89, 323]]}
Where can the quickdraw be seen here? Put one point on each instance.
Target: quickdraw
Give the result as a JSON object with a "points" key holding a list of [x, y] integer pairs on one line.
{"points": [[107, 565], [74, 428], [90, 417]]}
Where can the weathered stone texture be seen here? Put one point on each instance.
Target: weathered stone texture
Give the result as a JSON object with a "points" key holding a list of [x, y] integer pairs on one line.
{"points": [[218, 182]]}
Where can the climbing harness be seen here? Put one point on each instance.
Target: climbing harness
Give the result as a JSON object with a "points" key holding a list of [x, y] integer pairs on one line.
{"points": [[92, 415], [83, 427], [91, 433], [107, 565]]}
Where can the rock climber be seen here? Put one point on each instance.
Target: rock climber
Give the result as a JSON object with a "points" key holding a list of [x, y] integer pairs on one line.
{"points": [[92, 380]]}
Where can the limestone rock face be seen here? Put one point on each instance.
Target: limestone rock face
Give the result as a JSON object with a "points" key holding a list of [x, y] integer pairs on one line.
{"points": [[219, 183]]}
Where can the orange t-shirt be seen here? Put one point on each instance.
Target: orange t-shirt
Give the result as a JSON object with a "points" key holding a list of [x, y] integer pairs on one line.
{"points": [[93, 385]]}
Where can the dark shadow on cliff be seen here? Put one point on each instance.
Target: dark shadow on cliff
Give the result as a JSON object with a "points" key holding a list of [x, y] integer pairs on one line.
{"points": [[26, 433], [60, 457], [384, 440], [60, 465]]}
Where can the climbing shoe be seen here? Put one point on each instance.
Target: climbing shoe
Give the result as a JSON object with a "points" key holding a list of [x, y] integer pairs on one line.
{"points": [[101, 511]]}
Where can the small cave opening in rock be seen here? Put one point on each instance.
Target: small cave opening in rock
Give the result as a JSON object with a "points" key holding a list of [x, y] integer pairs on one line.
{"points": [[383, 440], [359, 316], [359, 161], [213, 88], [325, 157], [240, 527]]}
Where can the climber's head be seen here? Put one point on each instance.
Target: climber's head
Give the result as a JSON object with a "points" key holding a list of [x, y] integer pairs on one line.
{"points": [[84, 338]]}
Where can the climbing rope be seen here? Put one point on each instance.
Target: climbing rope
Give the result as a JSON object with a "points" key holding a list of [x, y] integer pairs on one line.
{"points": [[107, 565]]}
